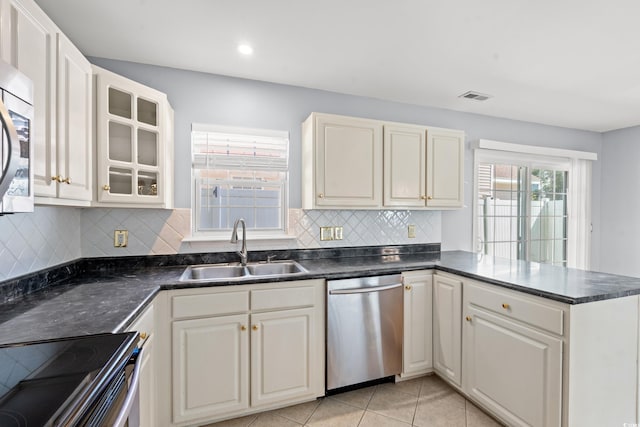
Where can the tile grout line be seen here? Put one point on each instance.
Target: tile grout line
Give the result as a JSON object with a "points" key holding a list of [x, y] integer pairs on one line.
{"points": [[466, 413], [313, 412], [375, 390], [413, 420]]}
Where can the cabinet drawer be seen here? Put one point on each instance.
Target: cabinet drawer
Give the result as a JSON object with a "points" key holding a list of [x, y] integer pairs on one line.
{"points": [[211, 304], [269, 299], [516, 307]]}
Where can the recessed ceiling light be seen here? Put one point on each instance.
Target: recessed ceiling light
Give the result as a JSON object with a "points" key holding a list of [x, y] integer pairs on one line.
{"points": [[476, 96], [245, 49]]}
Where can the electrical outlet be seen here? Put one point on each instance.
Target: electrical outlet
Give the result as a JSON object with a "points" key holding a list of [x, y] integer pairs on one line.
{"points": [[337, 233], [411, 231], [120, 238], [326, 233]]}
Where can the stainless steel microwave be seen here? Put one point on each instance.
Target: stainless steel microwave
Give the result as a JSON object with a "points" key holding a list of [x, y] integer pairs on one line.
{"points": [[16, 152]]}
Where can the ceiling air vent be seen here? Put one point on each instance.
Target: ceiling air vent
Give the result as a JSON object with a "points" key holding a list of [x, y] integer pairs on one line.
{"points": [[476, 96]]}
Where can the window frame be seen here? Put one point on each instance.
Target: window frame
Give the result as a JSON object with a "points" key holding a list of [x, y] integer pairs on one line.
{"points": [[579, 187], [529, 162], [252, 233]]}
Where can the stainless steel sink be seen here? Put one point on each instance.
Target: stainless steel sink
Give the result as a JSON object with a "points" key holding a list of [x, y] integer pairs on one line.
{"points": [[275, 268], [225, 272], [213, 271]]}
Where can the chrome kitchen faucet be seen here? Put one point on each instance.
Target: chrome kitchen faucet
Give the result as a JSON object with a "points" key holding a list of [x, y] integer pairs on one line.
{"points": [[234, 239]]}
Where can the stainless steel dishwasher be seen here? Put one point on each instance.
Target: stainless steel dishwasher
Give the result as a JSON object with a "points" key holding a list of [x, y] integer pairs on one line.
{"points": [[364, 329]]}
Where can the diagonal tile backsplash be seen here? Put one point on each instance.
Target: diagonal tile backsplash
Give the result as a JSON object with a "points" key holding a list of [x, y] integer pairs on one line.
{"points": [[158, 231], [54, 235], [34, 241]]}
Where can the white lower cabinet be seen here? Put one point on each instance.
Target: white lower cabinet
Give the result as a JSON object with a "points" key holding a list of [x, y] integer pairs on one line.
{"points": [[281, 343], [210, 366], [235, 350], [417, 348], [447, 327], [512, 354], [514, 371]]}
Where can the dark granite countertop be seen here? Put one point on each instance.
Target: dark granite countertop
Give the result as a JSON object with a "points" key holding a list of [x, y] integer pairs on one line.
{"points": [[100, 299]]}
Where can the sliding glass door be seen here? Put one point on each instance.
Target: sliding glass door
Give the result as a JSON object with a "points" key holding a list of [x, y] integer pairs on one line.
{"points": [[521, 210]]}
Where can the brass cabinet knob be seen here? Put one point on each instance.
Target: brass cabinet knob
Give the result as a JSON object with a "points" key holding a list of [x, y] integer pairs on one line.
{"points": [[429, 198], [143, 335], [468, 318], [243, 328], [321, 196], [408, 287], [106, 187], [255, 327], [66, 180], [56, 178], [505, 306], [423, 197]]}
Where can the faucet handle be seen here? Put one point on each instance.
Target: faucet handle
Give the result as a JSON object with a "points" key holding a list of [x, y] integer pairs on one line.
{"points": [[269, 258]]}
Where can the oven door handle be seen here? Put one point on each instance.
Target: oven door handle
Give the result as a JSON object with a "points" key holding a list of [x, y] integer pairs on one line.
{"points": [[363, 290], [132, 394], [13, 147]]}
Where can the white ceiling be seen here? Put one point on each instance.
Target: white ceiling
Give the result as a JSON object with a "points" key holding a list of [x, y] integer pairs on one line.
{"points": [[571, 63]]}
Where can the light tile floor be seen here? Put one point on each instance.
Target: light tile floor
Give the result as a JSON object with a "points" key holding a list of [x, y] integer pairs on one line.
{"points": [[422, 402]]}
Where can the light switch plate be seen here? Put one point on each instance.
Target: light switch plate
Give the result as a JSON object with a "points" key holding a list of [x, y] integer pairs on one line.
{"points": [[326, 233], [411, 231], [120, 238], [337, 233]]}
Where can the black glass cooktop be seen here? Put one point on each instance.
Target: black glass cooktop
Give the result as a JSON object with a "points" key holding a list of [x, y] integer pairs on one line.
{"points": [[41, 380]]}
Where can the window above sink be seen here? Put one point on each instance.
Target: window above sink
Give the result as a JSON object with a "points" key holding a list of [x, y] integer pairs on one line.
{"points": [[239, 173]]}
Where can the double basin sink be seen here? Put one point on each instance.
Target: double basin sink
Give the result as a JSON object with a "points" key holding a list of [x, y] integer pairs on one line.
{"points": [[236, 271]]}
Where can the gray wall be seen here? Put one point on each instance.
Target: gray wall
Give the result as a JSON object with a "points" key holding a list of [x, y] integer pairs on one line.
{"points": [[620, 244], [207, 98]]}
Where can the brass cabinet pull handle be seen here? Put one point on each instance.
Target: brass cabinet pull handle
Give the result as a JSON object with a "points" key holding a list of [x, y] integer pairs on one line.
{"points": [[505, 306], [468, 318], [143, 335], [255, 327], [408, 287], [243, 328], [106, 187], [423, 197], [56, 178], [67, 180], [429, 198]]}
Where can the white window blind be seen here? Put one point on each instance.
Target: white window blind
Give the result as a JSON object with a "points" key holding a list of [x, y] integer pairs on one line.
{"points": [[227, 148]]}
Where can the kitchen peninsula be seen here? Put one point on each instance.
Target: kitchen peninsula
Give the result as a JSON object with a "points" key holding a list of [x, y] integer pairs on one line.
{"points": [[587, 321]]}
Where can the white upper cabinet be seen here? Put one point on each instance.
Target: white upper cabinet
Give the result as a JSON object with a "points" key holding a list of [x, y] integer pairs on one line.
{"points": [[352, 163], [28, 43], [75, 142], [341, 162], [405, 157], [132, 142], [445, 168], [62, 139]]}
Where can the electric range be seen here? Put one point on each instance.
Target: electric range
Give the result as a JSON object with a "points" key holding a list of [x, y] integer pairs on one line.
{"points": [[64, 382]]}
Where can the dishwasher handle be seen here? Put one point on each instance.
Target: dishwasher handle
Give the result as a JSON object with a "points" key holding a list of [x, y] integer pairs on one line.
{"points": [[363, 290]]}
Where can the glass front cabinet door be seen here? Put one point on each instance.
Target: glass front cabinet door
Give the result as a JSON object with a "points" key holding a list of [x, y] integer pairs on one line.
{"points": [[132, 141]]}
